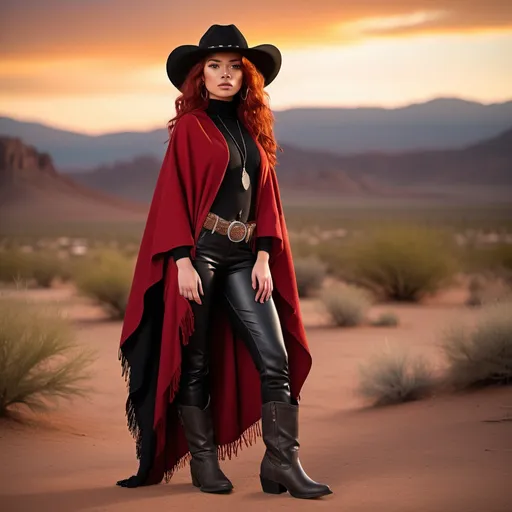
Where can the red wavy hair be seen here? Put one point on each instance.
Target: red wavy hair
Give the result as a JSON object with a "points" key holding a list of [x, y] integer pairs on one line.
{"points": [[254, 110]]}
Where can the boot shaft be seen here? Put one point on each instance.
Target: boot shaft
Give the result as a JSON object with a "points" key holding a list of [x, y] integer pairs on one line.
{"points": [[280, 429]]}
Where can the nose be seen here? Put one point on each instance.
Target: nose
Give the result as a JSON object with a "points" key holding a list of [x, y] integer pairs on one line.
{"points": [[226, 73]]}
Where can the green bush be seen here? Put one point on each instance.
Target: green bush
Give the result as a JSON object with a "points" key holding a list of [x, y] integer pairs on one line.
{"points": [[106, 277], [401, 263], [392, 376], [347, 305], [482, 354], [310, 274], [39, 361], [387, 319]]}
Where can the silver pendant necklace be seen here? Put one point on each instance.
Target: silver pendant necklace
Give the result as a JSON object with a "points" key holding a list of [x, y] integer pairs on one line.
{"points": [[246, 179]]}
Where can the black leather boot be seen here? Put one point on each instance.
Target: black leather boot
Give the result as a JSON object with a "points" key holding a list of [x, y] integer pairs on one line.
{"points": [[281, 470], [204, 465]]}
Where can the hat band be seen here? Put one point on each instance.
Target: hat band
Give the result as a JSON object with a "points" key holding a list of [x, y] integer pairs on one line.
{"points": [[224, 46]]}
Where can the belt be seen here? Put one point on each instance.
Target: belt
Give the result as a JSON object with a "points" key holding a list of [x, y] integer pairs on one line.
{"points": [[236, 230]]}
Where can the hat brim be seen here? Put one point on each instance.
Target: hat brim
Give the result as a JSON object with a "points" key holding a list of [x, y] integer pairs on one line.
{"points": [[266, 57]]}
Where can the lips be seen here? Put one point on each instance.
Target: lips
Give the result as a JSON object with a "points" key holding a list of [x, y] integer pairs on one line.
{"points": [[225, 85]]}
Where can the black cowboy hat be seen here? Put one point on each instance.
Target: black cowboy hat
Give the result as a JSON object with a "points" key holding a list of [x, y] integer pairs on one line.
{"points": [[266, 57]]}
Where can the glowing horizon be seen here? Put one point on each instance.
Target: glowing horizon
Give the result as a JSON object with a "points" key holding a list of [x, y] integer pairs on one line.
{"points": [[74, 73]]}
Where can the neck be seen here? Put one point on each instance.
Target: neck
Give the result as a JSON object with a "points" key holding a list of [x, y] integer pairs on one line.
{"points": [[222, 108]]}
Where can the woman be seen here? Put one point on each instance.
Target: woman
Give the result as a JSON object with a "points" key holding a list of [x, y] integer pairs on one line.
{"points": [[213, 338]]}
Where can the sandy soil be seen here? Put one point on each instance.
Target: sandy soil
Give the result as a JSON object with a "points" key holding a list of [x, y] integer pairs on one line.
{"points": [[447, 454]]}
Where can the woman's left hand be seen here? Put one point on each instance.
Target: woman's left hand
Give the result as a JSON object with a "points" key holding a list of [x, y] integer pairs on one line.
{"points": [[262, 277]]}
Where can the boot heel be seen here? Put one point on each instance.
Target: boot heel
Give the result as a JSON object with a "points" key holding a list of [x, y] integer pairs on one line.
{"points": [[195, 481], [271, 487]]}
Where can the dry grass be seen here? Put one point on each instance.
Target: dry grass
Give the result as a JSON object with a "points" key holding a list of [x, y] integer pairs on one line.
{"points": [[402, 263], [481, 355], [309, 273], [39, 360], [347, 305], [392, 376], [106, 277]]}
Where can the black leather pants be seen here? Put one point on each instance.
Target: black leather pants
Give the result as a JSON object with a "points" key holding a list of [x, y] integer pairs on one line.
{"points": [[225, 269]]}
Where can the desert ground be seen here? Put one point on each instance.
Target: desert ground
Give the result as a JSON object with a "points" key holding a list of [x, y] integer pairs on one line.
{"points": [[449, 453]]}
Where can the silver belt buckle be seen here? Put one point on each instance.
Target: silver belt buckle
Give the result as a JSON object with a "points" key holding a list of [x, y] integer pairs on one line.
{"points": [[232, 225]]}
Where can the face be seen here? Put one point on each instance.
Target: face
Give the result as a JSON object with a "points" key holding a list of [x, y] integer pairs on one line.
{"points": [[223, 68]]}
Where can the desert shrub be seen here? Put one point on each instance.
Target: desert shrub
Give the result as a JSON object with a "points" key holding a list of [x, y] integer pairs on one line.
{"points": [[386, 319], [40, 267], [482, 354], [392, 376], [39, 360], [487, 289], [347, 305], [495, 260], [401, 263], [106, 277], [46, 267], [332, 253], [309, 273], [14, 266]]}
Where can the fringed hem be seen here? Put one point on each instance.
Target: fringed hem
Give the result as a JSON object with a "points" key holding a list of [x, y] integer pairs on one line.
{"points": [[187, 326], [131, 418], [248, 437]]}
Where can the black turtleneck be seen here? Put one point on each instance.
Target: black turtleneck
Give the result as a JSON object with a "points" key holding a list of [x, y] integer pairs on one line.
{"points": [[232, 201]]}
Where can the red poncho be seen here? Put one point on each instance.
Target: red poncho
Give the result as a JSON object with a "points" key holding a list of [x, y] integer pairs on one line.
{"points": [[192, 171]]}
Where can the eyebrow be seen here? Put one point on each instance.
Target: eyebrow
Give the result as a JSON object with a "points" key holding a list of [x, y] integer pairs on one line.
{"points": [[218, 60]]}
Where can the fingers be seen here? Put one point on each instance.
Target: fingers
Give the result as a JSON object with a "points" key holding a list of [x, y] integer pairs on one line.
{"points": [[265, 290], [191, 294], [195, 296], [259, 291]]}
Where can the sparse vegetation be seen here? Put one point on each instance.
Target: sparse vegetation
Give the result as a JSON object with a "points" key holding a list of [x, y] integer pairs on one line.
{"points": [[482, 354], [45, 268], [401, 263], [14, 266], [106, 277], [392, 376], [39, 360], [41, 267], [310, 273], [347, 305], [387, 319]]}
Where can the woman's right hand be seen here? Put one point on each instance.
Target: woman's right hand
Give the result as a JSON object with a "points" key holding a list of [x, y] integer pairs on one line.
{"points": [[189, 281]]}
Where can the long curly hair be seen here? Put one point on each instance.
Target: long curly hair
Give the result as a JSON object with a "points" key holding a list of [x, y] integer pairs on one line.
{"points": [[254, 110]]}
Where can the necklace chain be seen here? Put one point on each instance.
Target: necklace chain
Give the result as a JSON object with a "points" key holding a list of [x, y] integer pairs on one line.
{"points": [[244, 154]]}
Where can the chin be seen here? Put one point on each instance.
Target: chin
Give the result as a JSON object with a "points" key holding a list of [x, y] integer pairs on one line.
{"points": [[226, 94]]}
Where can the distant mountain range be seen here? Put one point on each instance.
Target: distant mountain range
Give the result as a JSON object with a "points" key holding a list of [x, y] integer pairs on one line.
{"points": [[32, 190], [443, 123], [480, 170]]}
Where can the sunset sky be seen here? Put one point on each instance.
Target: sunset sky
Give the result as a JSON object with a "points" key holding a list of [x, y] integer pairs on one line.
{"points": [[97, 66]]}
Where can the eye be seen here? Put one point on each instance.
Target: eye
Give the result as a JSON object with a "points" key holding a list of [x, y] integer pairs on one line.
{"points": [[211, 65]]}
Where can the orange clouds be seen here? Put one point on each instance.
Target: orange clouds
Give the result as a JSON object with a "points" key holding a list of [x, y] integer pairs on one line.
{"points": [[145, 32]]}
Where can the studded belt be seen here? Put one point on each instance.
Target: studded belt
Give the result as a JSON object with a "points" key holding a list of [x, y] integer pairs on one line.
{"points": [[236, 230]]}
